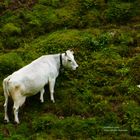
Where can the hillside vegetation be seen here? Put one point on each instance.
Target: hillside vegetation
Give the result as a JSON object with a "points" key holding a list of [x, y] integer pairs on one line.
{"points": [[98, 101]]}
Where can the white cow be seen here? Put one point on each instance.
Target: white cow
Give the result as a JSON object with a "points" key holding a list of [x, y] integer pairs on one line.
{"points": [[32, 78]]}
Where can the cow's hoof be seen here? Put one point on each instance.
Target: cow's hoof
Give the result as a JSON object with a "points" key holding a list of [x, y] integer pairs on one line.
{"points": [[5, 121], [15, 123], [53, 101]]}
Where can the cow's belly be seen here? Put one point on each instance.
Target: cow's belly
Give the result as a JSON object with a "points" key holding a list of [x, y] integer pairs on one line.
{"points": [[32, 80], [31, 92], [29, 85], [34, 86]]}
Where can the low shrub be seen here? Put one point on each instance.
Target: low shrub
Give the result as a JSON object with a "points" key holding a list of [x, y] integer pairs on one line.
{"points": [[91, 18], [12, 42], [66, 39], [53, 3], [126, 38], [70, 127], [10, 29], [67, 18], [45, 122], [134, 69], [10, 36], [9, 63], [119, 12], [131, 117]]}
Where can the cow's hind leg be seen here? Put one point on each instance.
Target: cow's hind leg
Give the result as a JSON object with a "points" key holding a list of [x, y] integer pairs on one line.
{"points": [[6, 118], [18, 102]]}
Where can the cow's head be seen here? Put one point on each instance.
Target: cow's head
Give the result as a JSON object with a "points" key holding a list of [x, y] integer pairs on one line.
{"points": [[69, 61]]}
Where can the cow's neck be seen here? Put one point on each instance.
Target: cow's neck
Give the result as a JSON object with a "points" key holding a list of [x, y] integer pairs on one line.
{"points": [[61, 68], [61, 63]]}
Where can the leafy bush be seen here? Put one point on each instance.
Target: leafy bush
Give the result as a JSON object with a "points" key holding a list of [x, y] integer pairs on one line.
{"points": [[41, 17], [10, 29], [87, 3], [91, 18], [53, 3], [66, 39], [10, 36], [10, 62], [91, 4], [12, 42], [119, 12], [125, 38], [2, 7], [45, 123], [70, 127], [132, 116], [134, 69], [67, 18], [128, 0]]}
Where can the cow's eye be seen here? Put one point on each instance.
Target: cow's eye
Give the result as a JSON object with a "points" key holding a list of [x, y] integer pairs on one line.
{"points": [[69, 60]]}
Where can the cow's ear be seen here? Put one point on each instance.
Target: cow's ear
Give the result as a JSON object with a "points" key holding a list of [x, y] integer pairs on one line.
{"points": [[71, 50]]}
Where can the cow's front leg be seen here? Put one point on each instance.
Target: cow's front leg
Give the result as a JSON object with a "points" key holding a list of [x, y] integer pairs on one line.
{"points": [[51, 86], [41, 95]]}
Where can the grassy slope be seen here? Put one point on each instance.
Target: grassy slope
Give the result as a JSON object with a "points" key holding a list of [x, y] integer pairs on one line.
{"points": [[101, 93]]}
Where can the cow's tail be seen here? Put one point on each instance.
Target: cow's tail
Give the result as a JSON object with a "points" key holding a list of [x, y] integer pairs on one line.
{"points": [[6, 94], [6, 86]]}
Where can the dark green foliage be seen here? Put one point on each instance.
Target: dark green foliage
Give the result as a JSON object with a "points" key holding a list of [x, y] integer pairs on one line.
{"points": [[132, 116], [70, 127], [45, 123], [53, 3], [119, 12], [134, 71], [10, 29], [9, 63], [10, 35]]}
